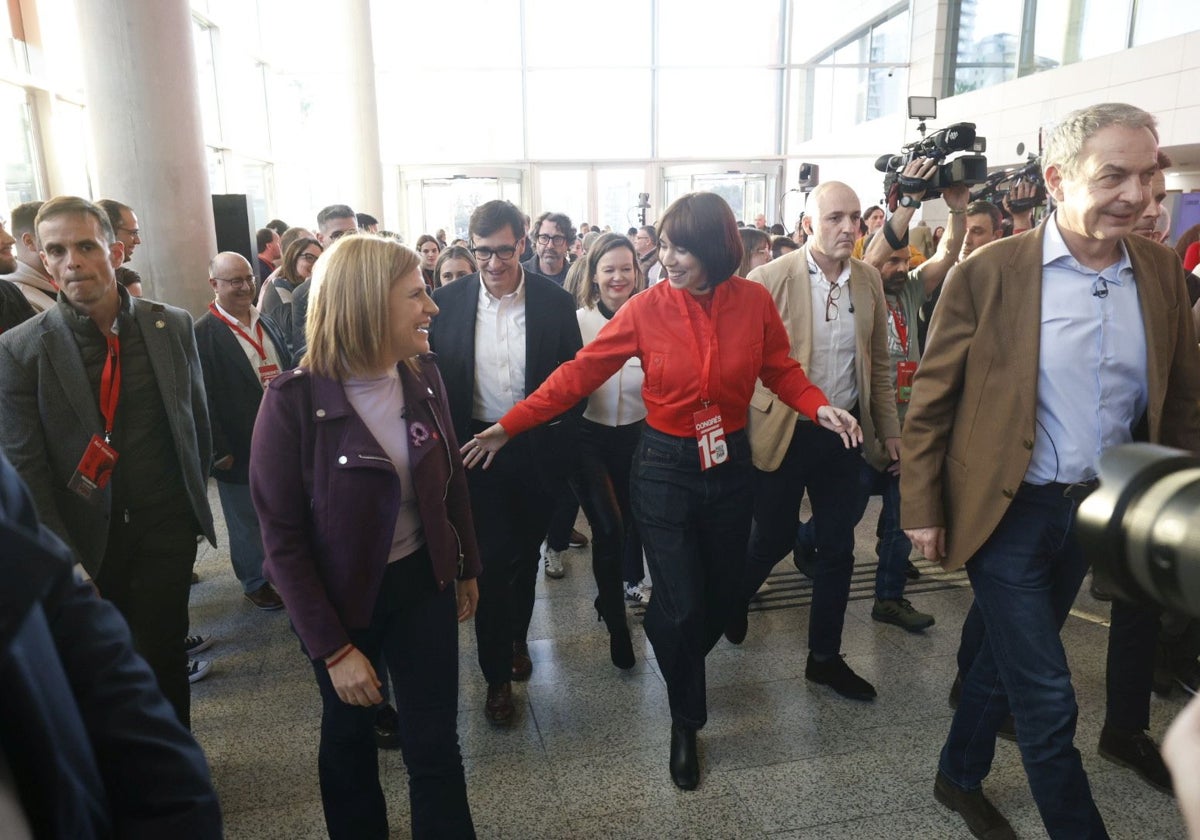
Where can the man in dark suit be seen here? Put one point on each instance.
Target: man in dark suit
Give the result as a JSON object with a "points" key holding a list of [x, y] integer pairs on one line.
{"points": [[1045, 349], [241, 351], [93, 748], [499, 334], [103, 413]]}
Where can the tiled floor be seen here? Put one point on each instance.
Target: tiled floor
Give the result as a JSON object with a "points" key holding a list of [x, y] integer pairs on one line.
{"points": [[587, 754]]}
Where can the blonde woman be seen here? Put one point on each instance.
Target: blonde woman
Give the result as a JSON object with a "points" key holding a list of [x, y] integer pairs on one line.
{"points": [[360, 490]]}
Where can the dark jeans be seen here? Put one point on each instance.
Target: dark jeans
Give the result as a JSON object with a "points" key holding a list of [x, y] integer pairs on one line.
{"points": [[817, 461], [511, 509], [602, 486], [562, 518], [1025, 578], [147, 575], [894, 547], [414, 629], [694, 526]]}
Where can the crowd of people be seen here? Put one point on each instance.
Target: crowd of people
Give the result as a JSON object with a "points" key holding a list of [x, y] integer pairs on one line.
{"points": [[401, 438]]}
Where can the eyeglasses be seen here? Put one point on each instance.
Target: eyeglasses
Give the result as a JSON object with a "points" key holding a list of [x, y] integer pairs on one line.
{"points": [[246, 282], [307, 258], [134, 232], [831, 307], [338, 234], [546, 239], [504, 252]]}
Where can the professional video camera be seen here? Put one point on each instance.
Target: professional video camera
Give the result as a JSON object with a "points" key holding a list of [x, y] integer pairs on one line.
{"points": [[968, 169], [1141, 527], [998, 185]]}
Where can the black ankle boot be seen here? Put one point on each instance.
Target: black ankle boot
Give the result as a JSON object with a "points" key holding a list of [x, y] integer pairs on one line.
{"points": [[620, 645], [685, 761]]}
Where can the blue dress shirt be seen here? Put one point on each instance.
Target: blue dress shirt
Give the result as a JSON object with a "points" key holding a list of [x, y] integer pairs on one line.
{"points": [[1091, 364]]}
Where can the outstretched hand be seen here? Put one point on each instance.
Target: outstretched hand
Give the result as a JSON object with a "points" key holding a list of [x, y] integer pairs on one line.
{"points": [[482, 448], [843, 423]]}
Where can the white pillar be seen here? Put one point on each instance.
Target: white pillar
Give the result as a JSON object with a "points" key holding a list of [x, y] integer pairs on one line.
{"points": [[349, 38], [144, 112]]}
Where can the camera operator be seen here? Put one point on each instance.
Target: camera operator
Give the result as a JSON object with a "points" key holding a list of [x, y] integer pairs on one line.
{"points": [[1022, 220], [1045, 350]]}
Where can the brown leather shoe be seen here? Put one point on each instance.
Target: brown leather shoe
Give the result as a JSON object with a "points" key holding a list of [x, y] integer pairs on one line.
{"points": [[499, 708], [522, 665], [980, 815], [265, 598]]}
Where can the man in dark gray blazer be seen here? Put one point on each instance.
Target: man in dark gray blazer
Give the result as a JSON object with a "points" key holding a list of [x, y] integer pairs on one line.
{"points": [[499, 334], [103, 413]]}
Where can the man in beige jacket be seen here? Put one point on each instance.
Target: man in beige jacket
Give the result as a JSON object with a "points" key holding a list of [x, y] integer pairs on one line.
{"points": [[835, 314]]}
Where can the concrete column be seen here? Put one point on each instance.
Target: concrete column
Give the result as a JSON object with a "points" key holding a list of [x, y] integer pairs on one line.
{"points": [[144, 112], [349, 36]]}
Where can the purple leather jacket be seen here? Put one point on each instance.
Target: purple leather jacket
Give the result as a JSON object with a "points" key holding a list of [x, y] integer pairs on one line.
{"points": [[327, 498]]}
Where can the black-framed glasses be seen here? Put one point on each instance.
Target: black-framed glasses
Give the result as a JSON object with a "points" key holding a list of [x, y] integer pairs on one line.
{"points": [[504, 252], [831, 302], [309, 258], [246, 282], [545, 239], [136, 233]]}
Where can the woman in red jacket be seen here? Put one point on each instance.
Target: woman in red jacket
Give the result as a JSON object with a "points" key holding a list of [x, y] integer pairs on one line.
{"points": [[362, 499], [703, 338]]}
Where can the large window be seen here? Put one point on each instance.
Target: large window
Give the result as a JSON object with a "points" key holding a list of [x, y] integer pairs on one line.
{"points": [[863, 78], [22, 175], [995, 42], [446, 203]]}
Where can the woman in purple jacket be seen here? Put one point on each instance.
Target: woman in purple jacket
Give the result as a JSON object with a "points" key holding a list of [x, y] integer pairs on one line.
{"points": [[359, 487]]}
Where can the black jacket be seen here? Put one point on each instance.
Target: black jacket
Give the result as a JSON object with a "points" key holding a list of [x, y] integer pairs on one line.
{"points": [[234, 390]]}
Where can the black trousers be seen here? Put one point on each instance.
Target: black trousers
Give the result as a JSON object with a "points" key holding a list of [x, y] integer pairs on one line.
{"points": [[413, 629], [694, 525], [511, 508], [1129, 677], [147, 575], [602, 486]]}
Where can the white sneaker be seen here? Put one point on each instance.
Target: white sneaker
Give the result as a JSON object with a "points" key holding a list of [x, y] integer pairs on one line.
{"points": [[196, 644], [553, 560], [198, 669], [637, 593]]}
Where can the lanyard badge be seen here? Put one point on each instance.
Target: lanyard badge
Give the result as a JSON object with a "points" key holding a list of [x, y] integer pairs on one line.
{"points": [[96, 466], [710, 428], [266, 370]]}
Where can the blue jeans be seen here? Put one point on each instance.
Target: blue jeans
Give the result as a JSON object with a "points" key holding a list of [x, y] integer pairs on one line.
{"points": [[1025, 578], [245, 538], [694, 525], [817, 461], [414, 630], [894, 547]]}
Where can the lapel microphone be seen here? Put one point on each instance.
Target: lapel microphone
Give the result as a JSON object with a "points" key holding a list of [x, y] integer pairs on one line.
{"points": [[1100, 288]]}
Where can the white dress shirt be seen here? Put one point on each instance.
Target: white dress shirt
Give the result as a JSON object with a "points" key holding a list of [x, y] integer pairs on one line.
{"points": [[831, 367], [1091, 388], [256, 361], [618, 402], [499, 353]]}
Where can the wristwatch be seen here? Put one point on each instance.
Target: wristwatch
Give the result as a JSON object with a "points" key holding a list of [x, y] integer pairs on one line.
{"points": [[909, 201]]}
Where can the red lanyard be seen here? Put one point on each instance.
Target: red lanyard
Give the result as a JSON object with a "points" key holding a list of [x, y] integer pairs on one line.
{"points": [[110, 385], [709, 328], [236, 327], [901, 326]]}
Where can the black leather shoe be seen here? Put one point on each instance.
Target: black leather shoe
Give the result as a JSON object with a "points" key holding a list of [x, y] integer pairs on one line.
{"points": [[685, 761], [522, 665], [836, 674], [736, 627], [1138, 752], [980, 815], [1008, 727], [387, 725], [620, 649], [499, 708]]}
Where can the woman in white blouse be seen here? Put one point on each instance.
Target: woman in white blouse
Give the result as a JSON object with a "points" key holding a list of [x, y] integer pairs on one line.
{"points": [[609, 433]]}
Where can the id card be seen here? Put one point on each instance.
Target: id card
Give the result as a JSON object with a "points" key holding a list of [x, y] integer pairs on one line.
{"points": [[95, 468], [267, 372], [904, 380], [710, 435]]}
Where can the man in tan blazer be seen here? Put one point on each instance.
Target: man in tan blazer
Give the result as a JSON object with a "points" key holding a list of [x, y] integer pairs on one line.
{"points": [[835, 314], [1045, 349]]}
